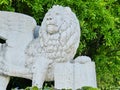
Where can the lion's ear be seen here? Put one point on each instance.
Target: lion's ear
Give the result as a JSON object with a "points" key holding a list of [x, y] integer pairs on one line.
{"points": [[55, 6], [67, 9]]}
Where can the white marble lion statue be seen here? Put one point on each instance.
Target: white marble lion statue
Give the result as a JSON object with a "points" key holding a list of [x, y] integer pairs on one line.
{"points": [[57, 43], [59, 37]]}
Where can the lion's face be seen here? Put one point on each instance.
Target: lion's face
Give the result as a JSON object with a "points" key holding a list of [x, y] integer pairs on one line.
{"points": [[53, 21]]}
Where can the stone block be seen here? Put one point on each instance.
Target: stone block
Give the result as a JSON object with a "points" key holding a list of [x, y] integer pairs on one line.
{"points": [[63, 75], [74, 75]]}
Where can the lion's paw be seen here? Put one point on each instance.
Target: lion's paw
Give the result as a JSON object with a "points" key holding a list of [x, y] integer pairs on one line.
{"points": [[82, 59]]}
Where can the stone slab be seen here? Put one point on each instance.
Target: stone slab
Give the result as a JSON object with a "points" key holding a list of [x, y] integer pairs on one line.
{"points": [[74, 75]]}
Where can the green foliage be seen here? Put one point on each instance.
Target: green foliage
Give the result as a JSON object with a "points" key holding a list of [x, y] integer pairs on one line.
{"points": [[100, 31], [6, 5], [89, 88], [33, 88], [51, 88]]}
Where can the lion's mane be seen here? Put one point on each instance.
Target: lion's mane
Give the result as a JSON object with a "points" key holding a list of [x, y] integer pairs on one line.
{"points": [[62, 45]]}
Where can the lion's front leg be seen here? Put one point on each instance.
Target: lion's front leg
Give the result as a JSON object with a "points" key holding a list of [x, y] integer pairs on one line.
{"points": [[39, 71], [4, 80]]}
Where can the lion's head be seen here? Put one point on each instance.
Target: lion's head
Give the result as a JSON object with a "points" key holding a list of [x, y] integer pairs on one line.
{"points": [[58, 19], [60, 33]]}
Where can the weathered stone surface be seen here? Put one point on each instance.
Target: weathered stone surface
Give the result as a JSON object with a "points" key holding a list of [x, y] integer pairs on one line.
{"points": [[74, 75], [36, 59], [59, 35], [17, 30], [85, 75], [64, 75], [4, 82]]}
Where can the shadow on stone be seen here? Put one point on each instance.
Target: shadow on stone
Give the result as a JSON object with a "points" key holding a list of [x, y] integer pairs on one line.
{"points": [[19, 83]]}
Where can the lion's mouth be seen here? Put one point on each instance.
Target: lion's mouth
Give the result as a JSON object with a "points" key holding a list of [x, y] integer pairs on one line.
{"points": [[51, 25], [52, 28]]}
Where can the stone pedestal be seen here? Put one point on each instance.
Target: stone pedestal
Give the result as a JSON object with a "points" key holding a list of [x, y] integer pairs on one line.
{"points": [[74, 75]]}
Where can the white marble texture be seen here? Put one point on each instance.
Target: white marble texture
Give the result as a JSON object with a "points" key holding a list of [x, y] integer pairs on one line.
{"points": [[36, 59], [75, 75], [17, 30]]}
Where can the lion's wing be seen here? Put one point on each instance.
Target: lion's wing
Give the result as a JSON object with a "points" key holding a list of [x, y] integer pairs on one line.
{"points": [[17, 30]]}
